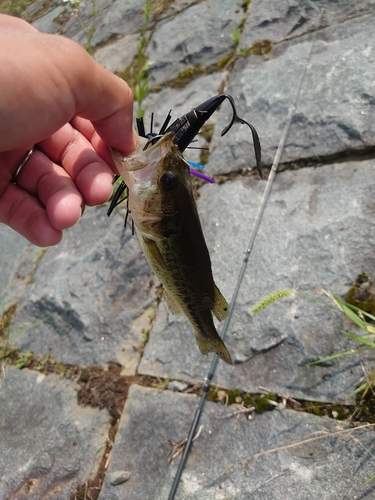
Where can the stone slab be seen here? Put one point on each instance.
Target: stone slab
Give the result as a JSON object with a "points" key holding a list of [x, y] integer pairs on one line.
{"points": [[118, 55], [98, 288], [201, 34], [107, 19], [17, 257], [48, 446], [278, 21], [48, 23], [219, 465], [317, 232], [334, 111]]}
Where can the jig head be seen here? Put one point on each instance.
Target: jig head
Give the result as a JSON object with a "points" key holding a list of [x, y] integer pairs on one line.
{"points": [[186, 128]]}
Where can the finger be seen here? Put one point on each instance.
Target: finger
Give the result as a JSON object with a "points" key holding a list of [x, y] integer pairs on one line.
{"points": [[23, 213], [91, 175], [9, 162], [73, 83], [88, 130], [51, 184]]}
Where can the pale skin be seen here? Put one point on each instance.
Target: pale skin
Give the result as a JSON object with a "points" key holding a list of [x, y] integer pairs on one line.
{"points": [[54, 95]]}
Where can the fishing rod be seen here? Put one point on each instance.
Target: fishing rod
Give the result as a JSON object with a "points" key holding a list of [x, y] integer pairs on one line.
{"points": [[254, 231]]}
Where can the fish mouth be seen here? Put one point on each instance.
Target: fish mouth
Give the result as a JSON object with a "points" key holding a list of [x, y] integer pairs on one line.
{"points": [[150, 153], [142, 165]]}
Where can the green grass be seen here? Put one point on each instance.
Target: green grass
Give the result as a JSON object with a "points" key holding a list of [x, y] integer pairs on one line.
{"points": [[365, 321], [14, 8], [142, 78], [88, 29]]}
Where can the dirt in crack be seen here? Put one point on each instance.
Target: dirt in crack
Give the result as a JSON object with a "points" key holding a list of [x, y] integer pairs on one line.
{"points": [[104, 389]]}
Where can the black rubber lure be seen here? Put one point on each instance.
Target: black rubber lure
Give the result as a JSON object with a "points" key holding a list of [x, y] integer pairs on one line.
{"points": [[186, 128]]}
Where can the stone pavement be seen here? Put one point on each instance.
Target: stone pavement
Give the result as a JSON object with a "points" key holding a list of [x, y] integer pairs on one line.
{"points": [[318, 231]]}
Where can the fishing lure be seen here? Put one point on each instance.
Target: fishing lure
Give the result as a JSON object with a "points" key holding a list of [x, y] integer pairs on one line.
{"points": [[186, 128]]}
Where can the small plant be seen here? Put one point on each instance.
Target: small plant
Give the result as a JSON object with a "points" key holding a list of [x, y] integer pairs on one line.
{"points": [[89, 30], [23, 360], [366, 322], [236, 35], [142, 78], [8, 353], [162, 384], [270, 300], [43, 363], [14, 8]]}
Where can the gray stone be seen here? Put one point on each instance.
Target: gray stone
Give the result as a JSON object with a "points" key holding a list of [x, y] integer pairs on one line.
{"points": [[80, 21], [47, 441], [176, 385], [118, 55], [233, 459], [278, 21], [97, 287], [200, 34], [334, 113], [33, 9], [121, 17], [176, 7], [48, 23], [17, 258], [318, 231], [102, 20], [119, 476]]}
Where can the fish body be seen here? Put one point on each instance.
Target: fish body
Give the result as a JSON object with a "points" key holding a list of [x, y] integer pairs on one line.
{"points": [[163, 208]]}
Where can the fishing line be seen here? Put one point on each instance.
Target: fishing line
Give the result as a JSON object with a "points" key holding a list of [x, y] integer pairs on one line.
{"points": [[262, 206]]}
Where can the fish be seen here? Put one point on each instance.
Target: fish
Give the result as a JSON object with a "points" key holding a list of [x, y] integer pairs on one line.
{"points": [[167, 224]]}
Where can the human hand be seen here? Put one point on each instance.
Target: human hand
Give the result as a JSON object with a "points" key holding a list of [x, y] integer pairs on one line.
{"points": [[54, 95]]}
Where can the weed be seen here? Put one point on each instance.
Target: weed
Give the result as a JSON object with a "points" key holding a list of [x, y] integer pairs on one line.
{"points": [[270, 300], [362, 319], [236, 35], [14, 8], [145, 334], [245, 4], [142, 78], [257, 49], [88, 30], [23, 360], [8, 353], [41, 364], [162, 384]]}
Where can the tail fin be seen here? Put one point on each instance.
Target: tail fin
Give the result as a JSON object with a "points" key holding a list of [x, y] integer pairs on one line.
{"points": [[213, 345]]}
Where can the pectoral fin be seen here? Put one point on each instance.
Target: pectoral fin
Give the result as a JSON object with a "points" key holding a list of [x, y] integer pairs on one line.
{"points": [[153, 255], [220, 308]]}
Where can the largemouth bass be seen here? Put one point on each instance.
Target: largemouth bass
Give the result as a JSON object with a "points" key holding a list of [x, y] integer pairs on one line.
{"points": [[165, 216]]}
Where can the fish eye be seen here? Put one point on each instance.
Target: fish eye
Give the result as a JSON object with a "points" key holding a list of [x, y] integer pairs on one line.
{"points": [[169, 182]]}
